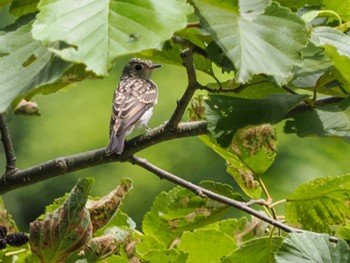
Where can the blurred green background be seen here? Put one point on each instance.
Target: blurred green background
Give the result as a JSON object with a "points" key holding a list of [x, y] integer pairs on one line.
{"points": [[77, 120]]}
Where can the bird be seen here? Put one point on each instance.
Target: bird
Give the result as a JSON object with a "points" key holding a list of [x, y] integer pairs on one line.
{"points": [[133, 101]]}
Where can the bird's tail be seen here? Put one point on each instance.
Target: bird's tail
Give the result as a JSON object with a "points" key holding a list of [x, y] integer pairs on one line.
{"points": [[116, 144]]}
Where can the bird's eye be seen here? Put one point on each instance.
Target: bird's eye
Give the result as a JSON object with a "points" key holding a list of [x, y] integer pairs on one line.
{"points": [[138, 67]]}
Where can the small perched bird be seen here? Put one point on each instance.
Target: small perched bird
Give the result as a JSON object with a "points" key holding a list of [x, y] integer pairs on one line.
{"points": [[132, 102]]}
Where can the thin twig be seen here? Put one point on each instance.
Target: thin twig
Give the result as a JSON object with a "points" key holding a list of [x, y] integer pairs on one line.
{"points": [[67, 164], [8, 147], [194, 24], [204, 192], [235, 89], [187, 57], [190, 45], [162, 174]]}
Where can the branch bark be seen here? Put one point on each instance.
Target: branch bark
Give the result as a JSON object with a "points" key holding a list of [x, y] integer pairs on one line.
{"points": [[187, 57], [8, 147], [202, 192], [67, 164]]}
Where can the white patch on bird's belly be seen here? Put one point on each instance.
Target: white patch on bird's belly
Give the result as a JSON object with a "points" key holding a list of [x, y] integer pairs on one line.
{"points": [[143, 121]]}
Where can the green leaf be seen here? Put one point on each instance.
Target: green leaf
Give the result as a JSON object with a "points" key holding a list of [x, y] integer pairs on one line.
{"points": [[165, 255], [297, 4], [97, 31], [262, 248], [312, 247], [226, 114], [23, 7], [343, 232], [178, 210], [22, 56], [260, 39], [324, 121], [320, 205], [238, 229], [206, 245], [240, 172], [336, 46], [315, 63], [256, 147], [66, 229], [222, 189], [342, 8]]}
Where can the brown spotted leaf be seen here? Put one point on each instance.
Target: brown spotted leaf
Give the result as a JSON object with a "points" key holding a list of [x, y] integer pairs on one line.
{"points": [[64, 230], [103, 210], [178, 210]]}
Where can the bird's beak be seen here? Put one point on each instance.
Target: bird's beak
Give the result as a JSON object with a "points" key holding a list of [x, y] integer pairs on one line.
{"points": [[155, 66]]}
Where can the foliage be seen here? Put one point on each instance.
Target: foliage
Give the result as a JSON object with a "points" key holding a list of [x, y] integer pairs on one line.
{"points": [[285, 62]]}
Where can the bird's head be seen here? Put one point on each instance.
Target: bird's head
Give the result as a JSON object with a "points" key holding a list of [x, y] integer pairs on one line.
{"points": [[139, 68]]}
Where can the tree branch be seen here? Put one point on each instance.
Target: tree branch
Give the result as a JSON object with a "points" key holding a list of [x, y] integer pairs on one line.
{"points": [[207, 193], [202, 192], [67, 164], [187, 58], [8, 147]]}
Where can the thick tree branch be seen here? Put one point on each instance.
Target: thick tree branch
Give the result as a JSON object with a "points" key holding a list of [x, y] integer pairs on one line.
{"points": [[187, 58], [304, 107], [67, 164], [162, 174], [8, 147]]}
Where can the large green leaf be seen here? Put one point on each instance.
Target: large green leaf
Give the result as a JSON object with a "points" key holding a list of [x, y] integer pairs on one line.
{"points": [[312, 247], [178, 210], [337, 46], [262, 248], [258, 39], [320, 205], [226, 114], [66, 229], [95, 32], [25, 64], [206, 245], [325, 121]]}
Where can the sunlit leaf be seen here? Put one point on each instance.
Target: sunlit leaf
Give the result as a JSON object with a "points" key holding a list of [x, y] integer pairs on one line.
{"points": [[66, 229], [336, 45], [256, 147], [165, 255], [324, 121], [312, 247], [297, 4], [342, 8], [262, 248], [25, 64], [320, 204], [240, 172], [23, 7], [178, 210], [260, 38], [97, 31], [206, 245]]}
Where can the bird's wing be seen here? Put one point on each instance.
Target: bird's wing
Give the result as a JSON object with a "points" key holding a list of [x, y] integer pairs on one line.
{"points": [[132, 99]]}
